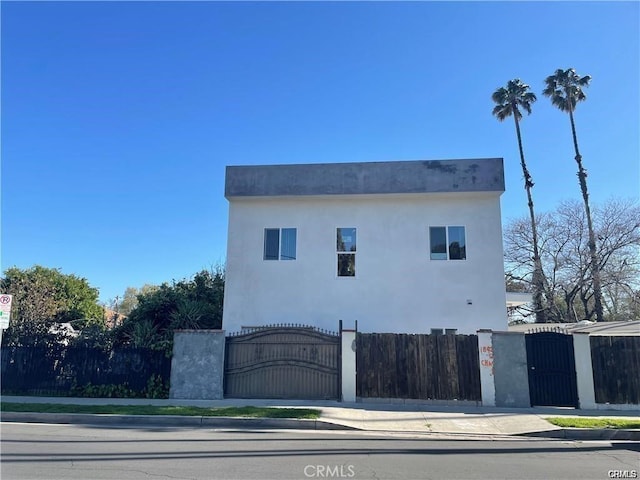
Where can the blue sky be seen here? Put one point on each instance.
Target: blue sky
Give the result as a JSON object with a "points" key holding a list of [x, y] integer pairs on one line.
{"points": [[119, 118]]}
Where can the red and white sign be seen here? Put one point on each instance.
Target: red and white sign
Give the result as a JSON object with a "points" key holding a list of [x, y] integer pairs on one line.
{"points": [[5, 310]]}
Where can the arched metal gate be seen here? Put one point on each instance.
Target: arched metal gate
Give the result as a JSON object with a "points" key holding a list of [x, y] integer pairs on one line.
{"points": [[282, 362]]}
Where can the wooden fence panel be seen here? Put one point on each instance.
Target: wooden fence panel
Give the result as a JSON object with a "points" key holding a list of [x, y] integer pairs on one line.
{"points": [[468, 366], [439, 367], [431, 371], [616, 369]]}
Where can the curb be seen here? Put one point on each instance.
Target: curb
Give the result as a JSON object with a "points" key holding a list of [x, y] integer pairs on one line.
{"points": [[171, 421], [271, 423], [588, 434]]}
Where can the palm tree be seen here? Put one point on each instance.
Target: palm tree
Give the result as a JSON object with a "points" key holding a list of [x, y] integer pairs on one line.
{"points": [[509, 100], [565, 88]]}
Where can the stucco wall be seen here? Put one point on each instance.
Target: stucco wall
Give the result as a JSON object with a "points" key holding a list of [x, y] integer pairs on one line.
{"points": [[197, 365], [397, 287], [510, 370]]}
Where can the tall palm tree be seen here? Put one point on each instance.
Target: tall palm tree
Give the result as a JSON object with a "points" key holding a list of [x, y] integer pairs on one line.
{"points": [[509, 100], [565, 88]]}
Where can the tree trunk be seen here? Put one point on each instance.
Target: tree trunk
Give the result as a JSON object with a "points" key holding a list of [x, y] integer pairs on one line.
{"points": [[537, 279], [595, 266]]}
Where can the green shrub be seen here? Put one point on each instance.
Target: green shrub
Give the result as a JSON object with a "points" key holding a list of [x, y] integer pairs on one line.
{"points": [[156, 388], [104, 391]]}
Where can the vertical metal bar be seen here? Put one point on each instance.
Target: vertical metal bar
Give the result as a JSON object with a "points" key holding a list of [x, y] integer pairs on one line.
{"points": [[339, 376]]}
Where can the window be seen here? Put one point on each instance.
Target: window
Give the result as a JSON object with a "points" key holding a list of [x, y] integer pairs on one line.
{"points": [[280, 243], [346, 250], [447, 243]]}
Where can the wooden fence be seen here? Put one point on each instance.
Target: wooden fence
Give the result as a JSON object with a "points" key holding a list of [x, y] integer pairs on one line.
{"points": [[438, 367], [616, 369], [76, 371]]}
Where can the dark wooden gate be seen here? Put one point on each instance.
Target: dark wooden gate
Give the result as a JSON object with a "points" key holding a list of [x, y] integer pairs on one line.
{"points": [[616, 363], [428, 367], [282, 362], [552, 369]]}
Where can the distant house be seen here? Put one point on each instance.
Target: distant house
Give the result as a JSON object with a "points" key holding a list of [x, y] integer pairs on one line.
{"points": [[112, 318], [599, 329], [398, 246], [519, 306]]}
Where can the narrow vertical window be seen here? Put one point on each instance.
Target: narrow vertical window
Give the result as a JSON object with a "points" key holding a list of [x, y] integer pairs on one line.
{"points": [[288, 244], [438, 242], [271, 243], [457, 244], [346, 250]]}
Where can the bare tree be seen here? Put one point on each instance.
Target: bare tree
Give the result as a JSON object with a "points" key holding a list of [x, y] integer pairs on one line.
{"points": [[563, 237]]}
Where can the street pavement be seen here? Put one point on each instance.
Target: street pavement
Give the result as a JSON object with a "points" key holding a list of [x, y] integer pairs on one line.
{"points": [[451, 419], [109, 452]]}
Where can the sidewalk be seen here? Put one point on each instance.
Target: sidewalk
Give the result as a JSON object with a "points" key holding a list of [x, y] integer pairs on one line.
{"points": [[372, 417]]}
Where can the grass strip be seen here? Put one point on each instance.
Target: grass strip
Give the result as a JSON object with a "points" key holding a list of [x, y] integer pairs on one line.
{"points": [[247, 411], [570, 422]]}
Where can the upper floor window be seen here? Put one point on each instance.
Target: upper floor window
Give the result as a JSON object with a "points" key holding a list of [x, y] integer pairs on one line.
{"points": [[280, 243], [447, 243], [346, 251]]}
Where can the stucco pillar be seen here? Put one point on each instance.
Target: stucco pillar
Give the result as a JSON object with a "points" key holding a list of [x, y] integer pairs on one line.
{"points": [[348, 338], [584, 370], [197, 366], [487, 382], [511, 373]]}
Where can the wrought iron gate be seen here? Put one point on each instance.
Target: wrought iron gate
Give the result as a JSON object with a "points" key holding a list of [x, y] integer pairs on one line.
{"points": [[282, 362], [552, 369]]}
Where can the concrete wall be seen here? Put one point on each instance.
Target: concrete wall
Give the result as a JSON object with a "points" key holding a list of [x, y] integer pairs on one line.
{"points": [[348, 372], [197, 366], [511, 376], [417, 176], [584, 370], [487, 378], [397, 287]]}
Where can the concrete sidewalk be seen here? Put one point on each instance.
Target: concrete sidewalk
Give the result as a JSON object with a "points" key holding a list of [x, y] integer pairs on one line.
{"points": [[374, 417]]}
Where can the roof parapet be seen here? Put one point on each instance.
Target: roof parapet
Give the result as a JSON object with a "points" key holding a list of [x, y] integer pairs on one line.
{"points": [[417, 176]]}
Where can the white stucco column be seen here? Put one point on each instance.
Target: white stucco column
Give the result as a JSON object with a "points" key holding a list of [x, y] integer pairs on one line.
{"points": [[485, 354], [584, 370], [348, 338]]}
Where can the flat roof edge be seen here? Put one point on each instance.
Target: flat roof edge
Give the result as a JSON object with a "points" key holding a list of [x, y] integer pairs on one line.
{"points": [[415, 176]]}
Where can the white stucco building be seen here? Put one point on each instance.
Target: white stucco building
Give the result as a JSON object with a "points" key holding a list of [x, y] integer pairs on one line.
{"points": [[400, 247]]}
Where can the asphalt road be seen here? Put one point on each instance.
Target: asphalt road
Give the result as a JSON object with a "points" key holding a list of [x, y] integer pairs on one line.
{"points": [[38, 451]]}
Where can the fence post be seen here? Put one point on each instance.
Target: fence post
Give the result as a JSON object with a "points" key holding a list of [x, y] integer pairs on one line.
{"points": [[487, 382], [348, 367], [584, 370]]}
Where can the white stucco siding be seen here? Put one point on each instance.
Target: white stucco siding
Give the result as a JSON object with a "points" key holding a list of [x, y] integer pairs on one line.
{"points": [[397, 287]]}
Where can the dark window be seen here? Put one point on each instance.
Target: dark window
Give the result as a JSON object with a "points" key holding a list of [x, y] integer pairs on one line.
{"points": [[438, 240], [457, 244], [288, 244], [346, 248], [271, 243], [447, 243], [280, 244]]}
